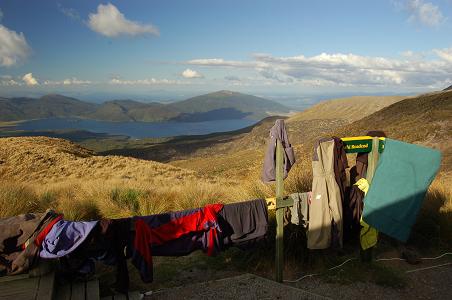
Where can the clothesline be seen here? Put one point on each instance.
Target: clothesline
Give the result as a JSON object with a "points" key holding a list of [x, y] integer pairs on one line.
{"points": [[381, 259]]}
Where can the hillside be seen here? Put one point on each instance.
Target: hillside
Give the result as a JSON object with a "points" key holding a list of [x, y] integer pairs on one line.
{"points": [[425, 120], [228, 104], [49, 106], [349, 109], [42, 159], [131, 111], [215, 106]]}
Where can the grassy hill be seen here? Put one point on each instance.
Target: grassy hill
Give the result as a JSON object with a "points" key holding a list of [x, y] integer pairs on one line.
{"points": [[349, 109], [215, 106], [37, 173]]}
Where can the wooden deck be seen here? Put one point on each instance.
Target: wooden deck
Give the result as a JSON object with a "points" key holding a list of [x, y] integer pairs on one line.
{"points": [[25, 287], [45, 287], [80, 290]]}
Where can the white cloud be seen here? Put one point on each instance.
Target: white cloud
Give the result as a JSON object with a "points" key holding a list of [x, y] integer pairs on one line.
{"points": [[69, 81], [220, 62], [109, 21], [13, 47], [189, 73], [150, 81], [29, 79], [425, 13], [445, 54], [347, 70]]}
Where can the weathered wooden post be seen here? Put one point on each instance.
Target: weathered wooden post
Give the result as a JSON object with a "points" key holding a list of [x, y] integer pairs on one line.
{"points": [[372, 159], [279, 257]]}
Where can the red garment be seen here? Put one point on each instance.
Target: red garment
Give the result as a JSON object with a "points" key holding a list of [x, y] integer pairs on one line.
{"points": [[202, 219], [42, 235]]}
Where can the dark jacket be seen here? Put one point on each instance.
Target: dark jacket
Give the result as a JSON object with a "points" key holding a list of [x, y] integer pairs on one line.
{"points": [[19, 249], [242, 224], [277, 132]]}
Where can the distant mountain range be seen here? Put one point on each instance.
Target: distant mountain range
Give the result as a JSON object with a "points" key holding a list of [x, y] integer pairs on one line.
{"points": [[220, 105], [448, 88]]}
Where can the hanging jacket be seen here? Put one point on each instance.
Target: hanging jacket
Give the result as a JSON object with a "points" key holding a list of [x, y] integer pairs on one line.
{"points": [[65, 237], [163, 228], [242, 224], [403, 174], [340, 165], [20, 239], [325, 211], [106, 242], [277, 132]]}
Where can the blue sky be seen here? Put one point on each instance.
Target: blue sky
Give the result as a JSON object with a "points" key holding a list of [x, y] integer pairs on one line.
{"points": [[172, 49]]}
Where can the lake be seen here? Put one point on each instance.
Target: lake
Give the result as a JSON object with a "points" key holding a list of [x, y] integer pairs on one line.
{"points": [[136, 129]]}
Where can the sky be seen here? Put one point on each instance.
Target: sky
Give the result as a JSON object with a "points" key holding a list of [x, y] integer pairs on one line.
{"points": [[160, 50]]}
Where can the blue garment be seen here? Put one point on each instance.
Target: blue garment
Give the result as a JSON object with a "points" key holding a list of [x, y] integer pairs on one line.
{"points": [[403, 175], [65, 237]]}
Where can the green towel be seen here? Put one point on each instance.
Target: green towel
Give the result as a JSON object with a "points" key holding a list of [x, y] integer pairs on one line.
{"points": [[403, 175]]}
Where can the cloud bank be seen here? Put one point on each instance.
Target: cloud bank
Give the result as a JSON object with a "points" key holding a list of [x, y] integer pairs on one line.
{"points": [[338, 69]]}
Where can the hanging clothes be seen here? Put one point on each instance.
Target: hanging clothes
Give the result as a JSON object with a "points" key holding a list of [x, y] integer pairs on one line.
{"points": [[20, 239], [340, 165], [277, 132], [162, 228], [354, 206], [403, 174], [300, 208], [243, 224], [325, 211], [106, 242], [65, 237], [368, 236]]}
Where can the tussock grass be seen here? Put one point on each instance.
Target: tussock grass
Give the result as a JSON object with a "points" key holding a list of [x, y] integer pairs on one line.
{"points": [[433, 227], [16, 198]]}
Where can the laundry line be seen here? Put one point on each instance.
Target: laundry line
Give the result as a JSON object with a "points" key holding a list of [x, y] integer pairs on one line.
{"points": [[380, 259]]}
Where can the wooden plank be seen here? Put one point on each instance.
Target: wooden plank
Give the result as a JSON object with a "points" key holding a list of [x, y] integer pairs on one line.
{"points": [[135, 295], [13, 277], [120, 297], [78, 291], [46, 287], [19, 289], [92, 290], [63, 292], [279, 257]]}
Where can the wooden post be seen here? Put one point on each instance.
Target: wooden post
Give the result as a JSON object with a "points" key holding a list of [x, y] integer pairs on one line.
{"points": [[279, 257], [372, 159]]}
